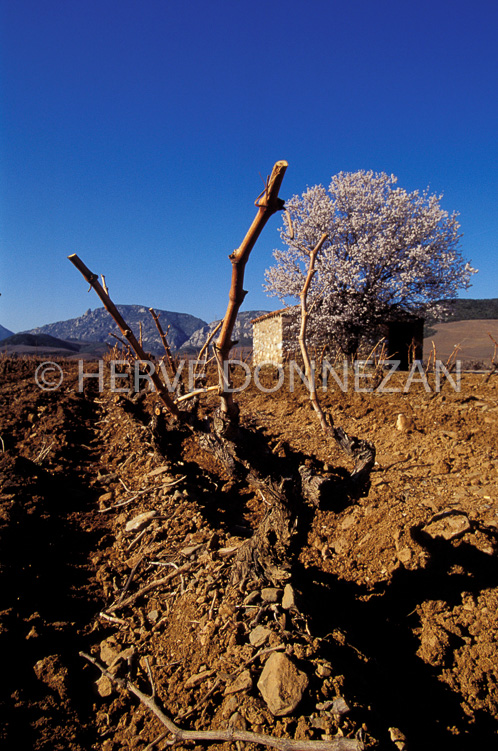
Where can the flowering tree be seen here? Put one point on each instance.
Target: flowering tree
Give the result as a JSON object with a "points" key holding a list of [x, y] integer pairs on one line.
{"points": [[387, 251]]}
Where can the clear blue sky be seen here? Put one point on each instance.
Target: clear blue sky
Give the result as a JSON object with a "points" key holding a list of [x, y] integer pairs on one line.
{"points": [[133, 133]]}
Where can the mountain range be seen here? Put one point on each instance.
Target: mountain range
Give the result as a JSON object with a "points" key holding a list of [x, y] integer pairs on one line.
{"points": [[85, 334], [98, 326]]}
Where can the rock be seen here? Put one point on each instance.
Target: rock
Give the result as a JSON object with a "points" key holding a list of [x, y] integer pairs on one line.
{"points": [[320, 723], [324, 669], [104, 686], [251, 598], [448, 525], [196, 680], [341, 545], [187, 552], [348, 521], [230, 705], [243, 682], [398, 738], [140, 521], [227, 611], [404, 555], [281, 684], [404, 423], [109, 650], [237, 721], [112, 654], [159, 471], [337, 706], [340, 706], [441, 467], [270, 594], [153, 615], [289, 598], [259, 635]]}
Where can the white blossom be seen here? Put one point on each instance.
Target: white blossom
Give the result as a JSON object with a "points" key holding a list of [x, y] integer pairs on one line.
{"points": [[387, 250]]}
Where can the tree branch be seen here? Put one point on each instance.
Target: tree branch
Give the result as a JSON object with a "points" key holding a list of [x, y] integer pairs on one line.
{"points": [[302, 335], [362, 452], [93, 281], [165, 342], [268, 203]]}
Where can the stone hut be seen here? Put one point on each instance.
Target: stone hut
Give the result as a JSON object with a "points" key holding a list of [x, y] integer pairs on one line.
{"points": [[273, 338]]}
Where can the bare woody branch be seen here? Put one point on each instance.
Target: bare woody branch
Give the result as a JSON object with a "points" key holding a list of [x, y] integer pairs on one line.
{"points": [[362, 452], [268, 203], [494, 359], [127, 347], [193, 394], [302, 335], [206, 345], [164, 340], [130, 337]]}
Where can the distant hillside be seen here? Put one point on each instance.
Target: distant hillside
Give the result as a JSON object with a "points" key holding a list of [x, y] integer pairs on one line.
{"points": [[96, 325], [4, 333], [39, 340], [45, 345], [242, 332], [472, 336], [467, 310]]}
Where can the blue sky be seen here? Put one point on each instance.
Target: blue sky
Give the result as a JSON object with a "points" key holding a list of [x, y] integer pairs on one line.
{"points": [[134, 133]]}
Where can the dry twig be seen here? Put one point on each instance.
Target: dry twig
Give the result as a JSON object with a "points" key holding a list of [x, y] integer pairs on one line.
{"points": [[165, 342], [148, 587], [206, 345], [154, 743], [494, 360], [92, 279], [128, 581], [112, 619], [128, 352]]}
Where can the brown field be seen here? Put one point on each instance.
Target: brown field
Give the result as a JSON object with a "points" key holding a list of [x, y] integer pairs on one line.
{"points": [[472, 336], [396, 587]]}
